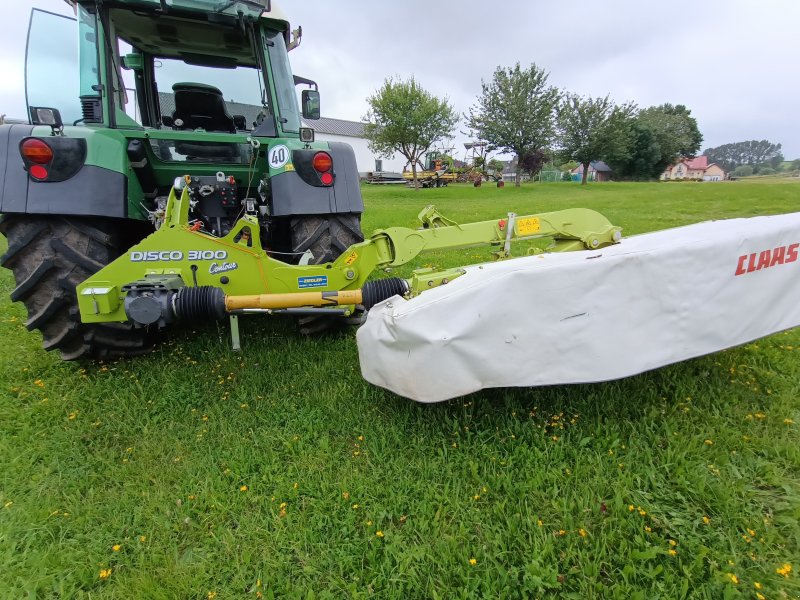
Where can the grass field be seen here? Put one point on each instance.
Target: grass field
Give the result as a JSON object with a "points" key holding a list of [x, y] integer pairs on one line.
{"points": [[198, 473]]}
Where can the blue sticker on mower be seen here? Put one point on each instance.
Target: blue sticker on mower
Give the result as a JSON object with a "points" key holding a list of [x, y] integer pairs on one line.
{"points": [[312, 282]]}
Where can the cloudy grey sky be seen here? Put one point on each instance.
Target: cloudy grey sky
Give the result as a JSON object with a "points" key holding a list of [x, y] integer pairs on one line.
{"points": [[732, 62]]}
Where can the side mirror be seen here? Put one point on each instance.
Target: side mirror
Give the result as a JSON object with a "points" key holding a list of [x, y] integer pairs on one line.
{"points": [[42, 115], [310, 99], [133, 62]]}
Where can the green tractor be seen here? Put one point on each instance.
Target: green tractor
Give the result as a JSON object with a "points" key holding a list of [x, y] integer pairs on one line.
{"points": [[187, 189], [195, 90]]}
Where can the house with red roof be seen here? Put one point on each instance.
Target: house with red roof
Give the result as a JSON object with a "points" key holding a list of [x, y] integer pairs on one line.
{"points": [[697, 169]]}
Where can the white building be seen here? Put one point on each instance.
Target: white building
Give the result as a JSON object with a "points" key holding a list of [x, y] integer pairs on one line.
{"points": [[352, 132]]}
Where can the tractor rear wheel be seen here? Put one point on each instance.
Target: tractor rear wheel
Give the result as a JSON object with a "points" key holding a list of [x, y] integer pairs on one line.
{"points": [[49, 257], [326, 237]]}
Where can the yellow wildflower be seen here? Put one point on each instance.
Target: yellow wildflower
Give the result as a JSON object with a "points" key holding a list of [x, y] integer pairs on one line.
{"points": [[142, 538], [647, 528], [473, 561], [116, 547], [582, 532], [379, 533], [672, 552], [631, 508], [788, 422], [784, 570], [706, 520], [562, 532], [211, 595], [346, 495], [642, 512], [751, 532], [361, 438], [105, 573], [760, 596], [757, 585], [355, 506], [243, 488], [39, 382], [539, 522], [709, 442], [673, 543], [476, 497], [7, 504], [734, 579]]}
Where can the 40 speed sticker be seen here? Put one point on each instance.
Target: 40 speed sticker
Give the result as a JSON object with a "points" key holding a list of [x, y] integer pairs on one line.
{"points": [[175, 255], [278, 156]]}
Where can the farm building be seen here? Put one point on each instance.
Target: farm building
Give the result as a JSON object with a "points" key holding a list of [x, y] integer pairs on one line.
{"points": [[598, 171], [694, 168]]}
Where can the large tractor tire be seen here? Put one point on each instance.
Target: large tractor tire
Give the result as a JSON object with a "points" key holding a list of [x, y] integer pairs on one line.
{"points": [[326, 237], [49, 256]]}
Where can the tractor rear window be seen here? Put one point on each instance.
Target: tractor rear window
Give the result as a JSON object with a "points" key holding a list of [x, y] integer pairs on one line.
{"points": [[208, 98]]}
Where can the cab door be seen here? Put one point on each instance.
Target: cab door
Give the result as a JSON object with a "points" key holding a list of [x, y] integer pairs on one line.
{"points": [[52, 64]]}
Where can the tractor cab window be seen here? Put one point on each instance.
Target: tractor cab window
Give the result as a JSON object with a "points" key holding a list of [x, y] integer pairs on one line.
{"points": [[52, 75], [214, 99], [284, 81]]}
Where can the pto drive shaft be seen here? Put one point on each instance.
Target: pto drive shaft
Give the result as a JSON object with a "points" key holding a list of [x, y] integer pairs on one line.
{"points": [[208, 302]]}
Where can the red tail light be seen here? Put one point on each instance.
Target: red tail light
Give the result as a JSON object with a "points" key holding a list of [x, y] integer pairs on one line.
{"points": [[322, 162], [36, 151]]}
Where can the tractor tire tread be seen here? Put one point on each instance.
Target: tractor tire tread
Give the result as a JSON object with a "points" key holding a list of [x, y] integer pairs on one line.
{"points": [[49, 257], [326, 237]]}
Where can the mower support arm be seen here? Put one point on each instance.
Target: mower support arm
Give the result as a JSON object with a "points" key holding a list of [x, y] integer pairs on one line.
{"points": [[571, 229]]}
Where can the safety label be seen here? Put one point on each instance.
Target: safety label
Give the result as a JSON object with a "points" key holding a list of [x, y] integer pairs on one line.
{"points": [[528, 225]]}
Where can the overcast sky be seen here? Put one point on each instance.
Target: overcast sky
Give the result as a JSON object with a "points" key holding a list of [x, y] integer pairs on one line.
{"points": [[733, 63]]}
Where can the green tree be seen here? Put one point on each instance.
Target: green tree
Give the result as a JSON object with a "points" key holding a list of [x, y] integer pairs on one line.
{"points": [[592, 129], [743, 171], [750, 152], [405, 118], [660, 135], [515, 111], [674, 130]]}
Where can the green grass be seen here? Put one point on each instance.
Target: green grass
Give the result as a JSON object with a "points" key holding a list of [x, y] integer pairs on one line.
{"points": [[151, 455]]}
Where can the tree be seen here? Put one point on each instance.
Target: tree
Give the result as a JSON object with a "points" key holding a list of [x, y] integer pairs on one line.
{"points": [[515, 111], [751, 152], [405, 118], [660, 135], [674, 130], [743, 171], [592, 128], [531, 162]]}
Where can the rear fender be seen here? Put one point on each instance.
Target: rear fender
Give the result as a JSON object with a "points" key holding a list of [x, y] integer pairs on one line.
{"points": [[101, 187], [293, 196]]}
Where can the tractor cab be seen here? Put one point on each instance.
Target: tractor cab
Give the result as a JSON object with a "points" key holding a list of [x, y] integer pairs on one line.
{"points": [[185, 65]]}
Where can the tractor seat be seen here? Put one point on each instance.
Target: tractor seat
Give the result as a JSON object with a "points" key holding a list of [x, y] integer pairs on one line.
{"points": [[201, 106]]}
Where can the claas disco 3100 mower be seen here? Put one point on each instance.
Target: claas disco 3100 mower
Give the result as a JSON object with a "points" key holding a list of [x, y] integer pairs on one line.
{"points": [[141, 194], [162, 200]]}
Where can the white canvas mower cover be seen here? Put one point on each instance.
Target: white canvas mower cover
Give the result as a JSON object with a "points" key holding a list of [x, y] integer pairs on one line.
{"points": [[589, 316]]}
